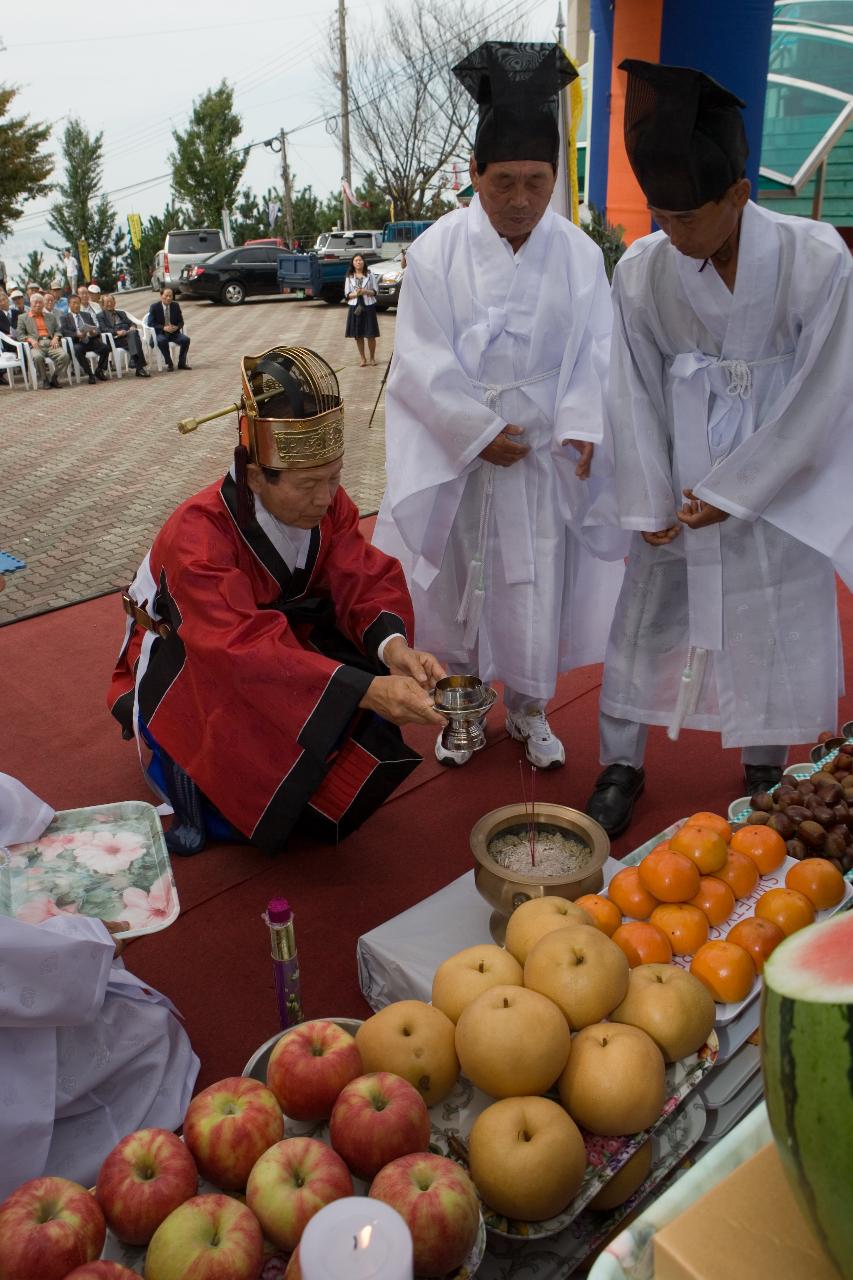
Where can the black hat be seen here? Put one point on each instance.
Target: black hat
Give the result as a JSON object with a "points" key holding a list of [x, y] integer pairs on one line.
{"points": [[516, 87], [684, 135]]}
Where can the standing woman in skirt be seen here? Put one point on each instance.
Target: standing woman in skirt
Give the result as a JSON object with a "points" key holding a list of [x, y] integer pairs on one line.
{"points": [[360, 293]]}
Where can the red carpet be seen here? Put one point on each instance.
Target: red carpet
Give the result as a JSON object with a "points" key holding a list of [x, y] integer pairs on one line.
{"points": [[58, 738]]}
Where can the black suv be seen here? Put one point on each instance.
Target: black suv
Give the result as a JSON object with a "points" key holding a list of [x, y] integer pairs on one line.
{"points": [[233, 275]]}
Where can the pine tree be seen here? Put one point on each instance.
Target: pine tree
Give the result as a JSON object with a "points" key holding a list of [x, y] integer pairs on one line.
{"points": [[206, 169], [80, 213], [24, 168]]}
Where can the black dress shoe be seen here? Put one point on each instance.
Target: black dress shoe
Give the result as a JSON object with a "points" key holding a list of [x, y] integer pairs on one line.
{"points": [[54, 382], [761, 777], [142, 372], [185, 366], [101, 376], [170, 368], [612, 802], [92, 379]]}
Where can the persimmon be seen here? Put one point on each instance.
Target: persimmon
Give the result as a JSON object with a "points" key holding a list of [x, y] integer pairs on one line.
{"points": [[669, 876], [629, 894], [603, 912], [739, 872], [713, 822], [685, 926], [819, 880], [715, 898], [701, 845], [726, 970], [758, 937], [788, 908], [643, 943], [764, 845]]}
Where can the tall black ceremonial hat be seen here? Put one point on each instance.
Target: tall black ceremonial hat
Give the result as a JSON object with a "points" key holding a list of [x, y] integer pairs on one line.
{"points": [[516, 87], [684, 135]]}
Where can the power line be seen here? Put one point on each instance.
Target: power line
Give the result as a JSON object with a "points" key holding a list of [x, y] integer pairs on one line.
{"points": [[150, 35]]}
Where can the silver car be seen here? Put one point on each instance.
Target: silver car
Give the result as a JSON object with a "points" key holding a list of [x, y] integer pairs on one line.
{"points": [[185, 249]]}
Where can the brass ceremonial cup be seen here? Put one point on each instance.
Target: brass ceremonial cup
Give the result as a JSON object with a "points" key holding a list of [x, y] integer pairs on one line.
{"points": [[505, 889], [464, 701]]}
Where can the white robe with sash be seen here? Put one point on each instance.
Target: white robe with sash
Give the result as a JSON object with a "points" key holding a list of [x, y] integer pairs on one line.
{"points": [[747, 398], [486, 337]]}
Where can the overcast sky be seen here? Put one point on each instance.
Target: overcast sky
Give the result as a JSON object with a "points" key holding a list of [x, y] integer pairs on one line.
{"points": [[133, 72]]}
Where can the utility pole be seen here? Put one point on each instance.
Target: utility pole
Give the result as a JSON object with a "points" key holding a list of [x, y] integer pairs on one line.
{"points": [[287, 194], [345, 147]]}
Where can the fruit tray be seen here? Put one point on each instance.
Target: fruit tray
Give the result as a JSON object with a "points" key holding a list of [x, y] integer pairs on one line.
{"points": [[453, 1118], [744, 907], [109, 861], [560, 1256], [724, 1119], [723, 1084]]}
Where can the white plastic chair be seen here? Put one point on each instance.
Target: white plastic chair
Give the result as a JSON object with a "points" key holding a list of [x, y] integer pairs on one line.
{"points": [[14, 357], [118, 356], [75, 372]]}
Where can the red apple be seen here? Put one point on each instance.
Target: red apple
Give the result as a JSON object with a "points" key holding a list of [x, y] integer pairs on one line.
{"points": [[377, 1118], [439, 1204], [48, 1227], [309, 1066], [209, 1237], [147, 1175], [290, 1183], [102, 1271], [228, 1126]]}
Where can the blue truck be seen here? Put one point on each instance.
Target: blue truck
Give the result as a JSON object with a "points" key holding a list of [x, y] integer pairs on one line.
{"points": [[319, 275]]}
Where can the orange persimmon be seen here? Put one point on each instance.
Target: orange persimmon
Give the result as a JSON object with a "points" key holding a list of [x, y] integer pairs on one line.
{"points": [[643, 943], [726, 970], [685, 926], [758, 937], [713, 822], [764, 845], [603, 912], [630, 896], [701, 845], [739, 872], [819, 880], [788, 908], [669, 876], [715, 898]]}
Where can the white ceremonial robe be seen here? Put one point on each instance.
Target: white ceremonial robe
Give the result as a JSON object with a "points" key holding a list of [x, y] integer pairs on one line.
{"points": [[88, 1053], [747, 398], [476, 321]]}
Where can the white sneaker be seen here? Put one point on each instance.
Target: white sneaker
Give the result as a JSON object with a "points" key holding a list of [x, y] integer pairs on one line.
{"points": [[533, 729], [450, 758]]}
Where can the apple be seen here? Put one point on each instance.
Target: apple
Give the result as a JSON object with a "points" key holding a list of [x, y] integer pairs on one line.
{"points": [[415, 1041], [624, 1183], [309, 1066], [228, 1126], [290, 1183], [465, 975], [210, 1237], [670, 1005], [581, 970], [102, 1271], [512, 1042], [526, 1157], [439, 1204], [49, 1226], [533, 919], [147, 1175], [377, 1118], [614, 1083]]}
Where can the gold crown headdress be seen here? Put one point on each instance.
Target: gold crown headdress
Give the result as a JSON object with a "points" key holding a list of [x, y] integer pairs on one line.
{"points": [[300, 424]]}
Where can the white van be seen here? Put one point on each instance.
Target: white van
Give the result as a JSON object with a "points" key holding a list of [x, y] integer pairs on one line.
{"points": [[185, 249]]}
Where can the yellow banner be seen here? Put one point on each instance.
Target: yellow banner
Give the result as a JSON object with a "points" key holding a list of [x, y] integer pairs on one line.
{"points": [[83, 254], [134, 226]]}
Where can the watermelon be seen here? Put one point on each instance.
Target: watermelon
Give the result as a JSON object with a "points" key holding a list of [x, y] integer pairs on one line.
{"points": [[807, 1063]]}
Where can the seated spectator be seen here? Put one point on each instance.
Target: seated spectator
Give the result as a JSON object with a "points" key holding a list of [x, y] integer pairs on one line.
{"points": [[94, 292], [86, 302], [167, 322], [17, 309], [40, 331], [60, 301], [82, 328], [124, 334], [5, 328], [93, 1052], [48, 300]]}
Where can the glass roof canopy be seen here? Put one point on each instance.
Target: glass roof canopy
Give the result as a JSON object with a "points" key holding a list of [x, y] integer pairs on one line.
{"points": [[809, 106]]}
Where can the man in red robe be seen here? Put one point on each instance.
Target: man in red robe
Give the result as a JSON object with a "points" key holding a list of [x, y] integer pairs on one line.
{"points": [[266, 660]]}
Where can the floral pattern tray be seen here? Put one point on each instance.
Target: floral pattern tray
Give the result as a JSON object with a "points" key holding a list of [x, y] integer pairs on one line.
{"points": [[109, 861]]}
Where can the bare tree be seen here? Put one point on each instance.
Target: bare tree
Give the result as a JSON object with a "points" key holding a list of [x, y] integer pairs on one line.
{"points": [[410, 119]]}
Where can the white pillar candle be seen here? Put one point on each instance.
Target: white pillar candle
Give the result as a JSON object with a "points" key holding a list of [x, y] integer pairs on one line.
{"points": [[356, 1239]]}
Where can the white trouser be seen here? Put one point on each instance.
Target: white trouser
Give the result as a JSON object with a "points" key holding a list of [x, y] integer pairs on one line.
{"points": [[514, 702], [624, 742]]}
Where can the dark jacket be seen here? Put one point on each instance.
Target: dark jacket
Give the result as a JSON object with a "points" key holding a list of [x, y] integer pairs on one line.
{"points": [[68, 328], [156, 319], [109, 321], [5, 327]]}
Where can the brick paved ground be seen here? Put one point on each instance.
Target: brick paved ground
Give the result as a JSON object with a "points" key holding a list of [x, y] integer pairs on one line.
{"points": [[90, 473]]}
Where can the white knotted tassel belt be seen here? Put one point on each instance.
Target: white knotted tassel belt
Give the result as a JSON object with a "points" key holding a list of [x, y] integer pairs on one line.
{"points": [[474, 595]]}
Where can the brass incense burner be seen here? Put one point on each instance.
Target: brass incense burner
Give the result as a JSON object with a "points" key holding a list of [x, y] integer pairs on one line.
{"points": [[505, 889], [464, 701]]}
